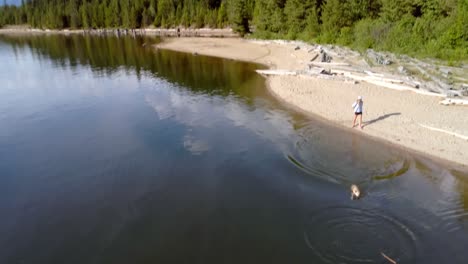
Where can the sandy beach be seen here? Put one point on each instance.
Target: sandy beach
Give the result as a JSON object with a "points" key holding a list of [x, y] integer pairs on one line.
{"points": [[407, 118]]}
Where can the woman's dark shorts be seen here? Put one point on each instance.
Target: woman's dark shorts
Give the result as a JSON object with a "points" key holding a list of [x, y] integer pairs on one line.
{"points": [[358, 113]]}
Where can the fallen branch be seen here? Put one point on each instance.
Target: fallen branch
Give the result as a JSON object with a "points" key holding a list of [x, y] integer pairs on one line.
{"points": [[388, 258], [315, 57]]}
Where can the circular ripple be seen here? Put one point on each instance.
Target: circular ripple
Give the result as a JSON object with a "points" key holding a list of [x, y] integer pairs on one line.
{"points": [[394, 170], [352, 235]]}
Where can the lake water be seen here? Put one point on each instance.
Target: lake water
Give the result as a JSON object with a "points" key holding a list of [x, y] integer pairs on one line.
{"points": [[112, 152]]}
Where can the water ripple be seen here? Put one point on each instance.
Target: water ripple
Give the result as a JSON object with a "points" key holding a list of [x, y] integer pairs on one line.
{"points": [[353, 235], [401, 169]]}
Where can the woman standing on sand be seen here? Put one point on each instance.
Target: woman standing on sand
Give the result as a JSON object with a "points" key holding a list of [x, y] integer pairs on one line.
{"points": [[357, 106]]}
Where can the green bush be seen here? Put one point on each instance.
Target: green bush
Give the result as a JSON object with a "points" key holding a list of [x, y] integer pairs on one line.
{"points": [[346, 37], [363, 35], [400, 36]]}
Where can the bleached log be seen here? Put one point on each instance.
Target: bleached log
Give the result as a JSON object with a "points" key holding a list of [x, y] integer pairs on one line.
{"points": [[321, 64], [276, 72], [450, 101]]}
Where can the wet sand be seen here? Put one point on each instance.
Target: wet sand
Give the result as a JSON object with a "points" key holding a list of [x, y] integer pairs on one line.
{"points": [[408, 119]]}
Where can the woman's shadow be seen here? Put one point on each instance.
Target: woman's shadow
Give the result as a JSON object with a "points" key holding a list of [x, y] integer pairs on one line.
{"points": [[380, 118]]}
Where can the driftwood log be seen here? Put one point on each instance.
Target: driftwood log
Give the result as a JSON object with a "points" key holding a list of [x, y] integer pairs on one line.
{"points": [[388, 258]]}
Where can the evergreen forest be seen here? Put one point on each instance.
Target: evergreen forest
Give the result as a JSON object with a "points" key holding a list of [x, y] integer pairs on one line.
{"points": [[423, 28]]}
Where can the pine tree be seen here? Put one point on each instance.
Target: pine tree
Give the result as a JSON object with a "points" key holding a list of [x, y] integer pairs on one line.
{"points": [[312, 29], [84, 13], [394, 10], [334, 18], [73, 14], [239, 16], [133, 18], [200, 17], [125, 13], [222, 15], [296, 12], [165, 12], [269, 16], [185, 20]]}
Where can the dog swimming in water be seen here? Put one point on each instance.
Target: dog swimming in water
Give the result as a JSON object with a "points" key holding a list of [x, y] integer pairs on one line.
{"points": [[355, 192]]}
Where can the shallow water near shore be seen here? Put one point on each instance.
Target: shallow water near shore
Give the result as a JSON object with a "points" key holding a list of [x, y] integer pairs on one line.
{"points": [[112, 152]]}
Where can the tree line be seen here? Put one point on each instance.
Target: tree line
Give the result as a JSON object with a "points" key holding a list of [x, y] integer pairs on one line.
{"points": [[59, 14], [436, 28]]}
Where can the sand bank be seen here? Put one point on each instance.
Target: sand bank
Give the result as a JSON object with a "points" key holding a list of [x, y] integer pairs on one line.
{"points": [[412, 120]]}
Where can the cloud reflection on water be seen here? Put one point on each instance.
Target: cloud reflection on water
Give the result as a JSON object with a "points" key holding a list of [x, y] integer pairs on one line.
{"points": [[201, 111]]}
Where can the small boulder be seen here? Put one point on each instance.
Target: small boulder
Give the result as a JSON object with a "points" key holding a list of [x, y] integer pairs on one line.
{"points": [[383, 61], [464, 89], [445, 71], [378, 58], [402, 70]]}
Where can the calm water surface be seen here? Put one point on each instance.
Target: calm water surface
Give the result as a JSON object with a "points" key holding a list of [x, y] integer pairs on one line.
{"points": [[111, 152]]}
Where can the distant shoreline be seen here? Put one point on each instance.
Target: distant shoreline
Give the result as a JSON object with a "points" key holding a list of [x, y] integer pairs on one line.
{"points": [[172, 32], [408, 118]]}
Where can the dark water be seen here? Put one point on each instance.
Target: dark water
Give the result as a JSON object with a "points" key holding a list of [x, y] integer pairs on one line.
{"points": [[111, 152]]}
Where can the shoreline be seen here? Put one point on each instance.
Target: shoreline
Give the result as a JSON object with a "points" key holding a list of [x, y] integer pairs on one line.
{"points": [[399, 117], [357, 132], [395, 113], [159, 32]]}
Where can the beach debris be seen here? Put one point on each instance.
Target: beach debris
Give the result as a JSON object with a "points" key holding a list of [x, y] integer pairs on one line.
{"points": [[451, 93], [383, 61], [355, 192], [420, 76], [324, 57], [326, 72], [388, 83], [276, 72], [319, 64], [315, 57], [297, 48], [378, 58], [446, 71], [464, 89], [452, 101], [388, 258], [402, 70], [351, 81], [314, 70]]}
